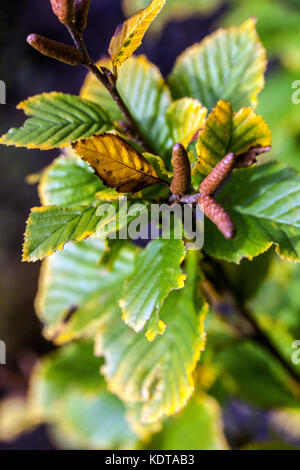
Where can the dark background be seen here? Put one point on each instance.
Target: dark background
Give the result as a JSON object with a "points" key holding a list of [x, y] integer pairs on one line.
{"points": [[27, 73]]}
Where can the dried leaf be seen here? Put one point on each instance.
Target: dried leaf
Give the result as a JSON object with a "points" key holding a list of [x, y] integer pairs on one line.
{"points": [[117, 163]]}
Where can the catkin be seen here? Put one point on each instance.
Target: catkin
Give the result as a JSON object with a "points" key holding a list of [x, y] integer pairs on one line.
{"points": [[64, 10], [182, 170], [57, 50], [217, 214], [81, 14], [217, 175]]}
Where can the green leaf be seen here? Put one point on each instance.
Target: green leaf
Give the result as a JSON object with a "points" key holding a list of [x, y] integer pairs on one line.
{"points": [[225, 132], [264, 202], [67, 280], [229, 64], [247, 277], [138, 78], [157, 374], [56, 120], [156, 272], [185, 117], [284, 327], [49, 228], [102, 299], [198, 427], [68, 392], [239, 364], [68, 181]]}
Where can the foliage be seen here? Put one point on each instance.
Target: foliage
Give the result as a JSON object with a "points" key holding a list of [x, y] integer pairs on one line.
{"points": [[140, 314]]}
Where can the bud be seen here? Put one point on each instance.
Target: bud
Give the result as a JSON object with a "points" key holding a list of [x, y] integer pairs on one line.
{"points": [[182, 171], [81, 13], [57, 50], [217, 214], [64, 10], [217, 175]]}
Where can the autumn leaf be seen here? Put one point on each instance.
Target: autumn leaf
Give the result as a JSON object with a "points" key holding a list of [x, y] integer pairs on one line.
{"points": [[185, 117], [129, 35], [117, 163], [226, 131]]}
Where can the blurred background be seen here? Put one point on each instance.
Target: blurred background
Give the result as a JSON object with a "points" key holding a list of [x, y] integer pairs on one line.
{"points": [[27, 73]]}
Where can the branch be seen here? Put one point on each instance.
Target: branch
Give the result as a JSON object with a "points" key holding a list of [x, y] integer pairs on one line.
{"points": [[244, 321], [108, 80]]}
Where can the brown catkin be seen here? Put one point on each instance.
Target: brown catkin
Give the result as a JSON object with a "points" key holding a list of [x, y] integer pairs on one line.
{"points": [[64, 10], [57, 50], [217, 214], [81, 14], [217, 175], [182, 171]]}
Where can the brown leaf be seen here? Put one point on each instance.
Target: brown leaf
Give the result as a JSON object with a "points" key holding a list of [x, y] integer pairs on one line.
{"points": [[117, 163]]}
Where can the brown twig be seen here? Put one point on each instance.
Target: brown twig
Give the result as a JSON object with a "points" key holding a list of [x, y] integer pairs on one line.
{"points": [[108, 80]]}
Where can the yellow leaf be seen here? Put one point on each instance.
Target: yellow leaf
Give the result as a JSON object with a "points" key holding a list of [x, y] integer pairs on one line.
{"points": [[226, 132], [185, 117], [128, 36], [214, 139], [117, 163]]}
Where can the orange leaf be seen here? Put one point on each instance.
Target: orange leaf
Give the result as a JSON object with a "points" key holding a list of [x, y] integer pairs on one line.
{"points": [[117, 163]]}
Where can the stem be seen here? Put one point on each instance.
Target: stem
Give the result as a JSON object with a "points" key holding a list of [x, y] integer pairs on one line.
{"points": [[108, 80], [232, 303]]}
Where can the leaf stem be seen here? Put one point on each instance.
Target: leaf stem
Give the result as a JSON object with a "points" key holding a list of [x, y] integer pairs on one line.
{"points": [[108, 80]]}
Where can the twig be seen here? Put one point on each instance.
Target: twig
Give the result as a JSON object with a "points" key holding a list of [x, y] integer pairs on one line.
{"points": [[108, 80]]}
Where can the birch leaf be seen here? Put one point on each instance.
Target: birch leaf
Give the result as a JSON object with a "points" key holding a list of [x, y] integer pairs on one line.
{"points": [[264, 202], [157, 271], [185, 117], [128, 36], [137, 77], [225, 132], [68, 181], [229, 64], [117, 163], [56, 119]]}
